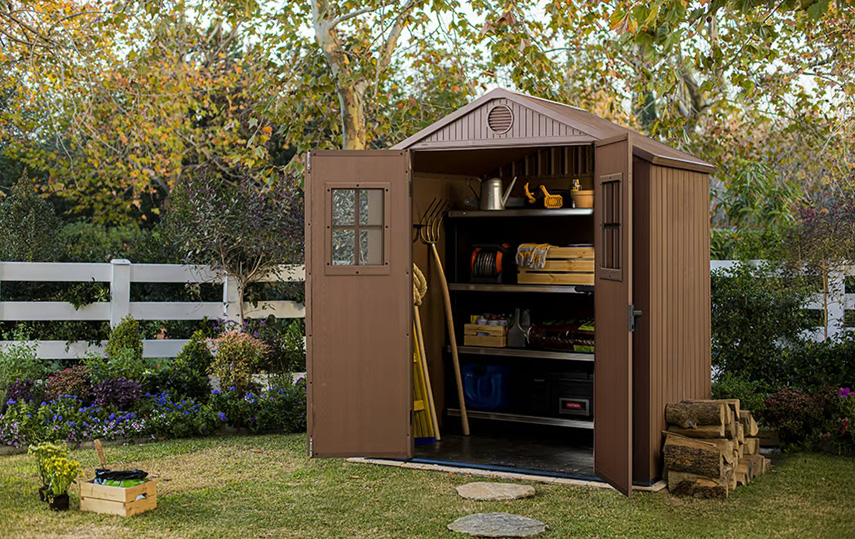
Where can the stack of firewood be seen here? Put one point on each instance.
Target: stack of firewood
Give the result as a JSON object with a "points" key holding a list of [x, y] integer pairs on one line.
{"points": [[711, 446]]}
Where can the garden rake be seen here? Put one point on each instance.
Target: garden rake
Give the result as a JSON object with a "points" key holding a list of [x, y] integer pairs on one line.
{"points": [[430, 225]]}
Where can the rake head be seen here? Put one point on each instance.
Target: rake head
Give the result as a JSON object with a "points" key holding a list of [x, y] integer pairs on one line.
{"points": [[431, 220]]}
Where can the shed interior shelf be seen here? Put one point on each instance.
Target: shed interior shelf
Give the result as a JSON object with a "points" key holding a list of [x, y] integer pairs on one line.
{"points": [[522, 212], [522, 288], [518, 418], [525, 352]]}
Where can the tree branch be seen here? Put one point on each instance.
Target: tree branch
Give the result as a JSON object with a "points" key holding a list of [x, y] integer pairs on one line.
{"points": [[385, 56], [341, 18]]}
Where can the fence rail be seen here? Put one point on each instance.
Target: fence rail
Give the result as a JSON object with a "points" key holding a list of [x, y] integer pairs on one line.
{"points": [[120, 274], [838, 300]]}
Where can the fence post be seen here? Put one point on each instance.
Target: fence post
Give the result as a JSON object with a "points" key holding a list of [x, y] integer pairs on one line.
{"points": [[836, 302], [231, 310], [120, 290]]}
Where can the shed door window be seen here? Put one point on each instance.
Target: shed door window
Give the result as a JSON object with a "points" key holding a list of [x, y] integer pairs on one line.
{"points": [[612, 211], [357, 227]]}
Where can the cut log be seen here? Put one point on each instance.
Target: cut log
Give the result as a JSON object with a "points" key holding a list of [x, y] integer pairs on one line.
{"points": [[747, 420], [688, 415], [741, 478], [731, 478], [730, 431], [706, 431], [758, 465], [740, 450], [752, 446], [767, 465], [684, 454], [743, 465], [687, 484], [740, 433], [725, 447]]}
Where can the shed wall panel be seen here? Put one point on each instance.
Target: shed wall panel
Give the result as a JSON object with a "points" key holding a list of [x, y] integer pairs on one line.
{"points": [[527, 124], [679, 301]]}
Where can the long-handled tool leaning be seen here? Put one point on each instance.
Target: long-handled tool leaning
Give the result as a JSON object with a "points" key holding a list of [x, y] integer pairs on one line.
{"points": [[419, 291], [429, 234]]}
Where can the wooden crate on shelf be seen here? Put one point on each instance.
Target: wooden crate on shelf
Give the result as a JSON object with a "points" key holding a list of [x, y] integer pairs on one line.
{"points": [[118, 500], [564, 265], [484, 335]]}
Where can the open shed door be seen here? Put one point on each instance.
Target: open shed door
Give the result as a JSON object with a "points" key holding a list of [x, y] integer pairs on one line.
{"points": [[359, 304], [613, 312]]}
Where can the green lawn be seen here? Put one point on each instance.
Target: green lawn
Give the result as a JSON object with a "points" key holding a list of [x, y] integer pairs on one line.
{"points": [[264, 486]]}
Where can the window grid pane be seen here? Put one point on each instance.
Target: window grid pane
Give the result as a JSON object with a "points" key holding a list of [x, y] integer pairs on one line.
{"points": [[611, 256], [357, 227]]}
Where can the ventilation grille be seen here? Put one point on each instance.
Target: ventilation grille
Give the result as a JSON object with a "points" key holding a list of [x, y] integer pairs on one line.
{"points": [[500, 119]]}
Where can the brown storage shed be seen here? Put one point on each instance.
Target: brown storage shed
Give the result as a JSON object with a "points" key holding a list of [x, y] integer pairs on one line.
{"points": [[650, 299]]}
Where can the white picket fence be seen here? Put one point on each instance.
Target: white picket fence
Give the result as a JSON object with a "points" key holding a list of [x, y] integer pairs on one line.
{"points": [[838, 300], [120, 274]]}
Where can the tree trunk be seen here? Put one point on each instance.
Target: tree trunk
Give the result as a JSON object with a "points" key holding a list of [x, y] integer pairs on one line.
{"points": [[351, 101]]}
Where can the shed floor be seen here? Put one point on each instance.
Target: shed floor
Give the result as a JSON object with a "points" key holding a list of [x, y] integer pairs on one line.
{"points": [[561, 452]]}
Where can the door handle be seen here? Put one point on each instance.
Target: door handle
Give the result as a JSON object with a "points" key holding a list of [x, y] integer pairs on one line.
{"points": [[634, 315]]}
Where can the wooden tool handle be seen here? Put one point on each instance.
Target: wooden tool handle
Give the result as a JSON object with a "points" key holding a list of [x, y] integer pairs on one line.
{"points": [[420, 340], [100, 451], [452, 338]]}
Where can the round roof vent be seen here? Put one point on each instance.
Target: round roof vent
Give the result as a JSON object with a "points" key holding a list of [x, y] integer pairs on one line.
{"points": [[500, 119]]}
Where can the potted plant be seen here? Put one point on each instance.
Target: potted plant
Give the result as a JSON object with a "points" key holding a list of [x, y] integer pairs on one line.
{"points": [[62, 472], [43, 452]]}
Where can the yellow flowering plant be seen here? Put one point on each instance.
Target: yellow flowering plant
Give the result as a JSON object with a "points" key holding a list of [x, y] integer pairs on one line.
{"points": [[44, 452], [62, 472]]}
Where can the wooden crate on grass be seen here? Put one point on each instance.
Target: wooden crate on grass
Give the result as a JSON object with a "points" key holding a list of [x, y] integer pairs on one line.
{"points": [[564, 265], [484, 335], [118, 500]]}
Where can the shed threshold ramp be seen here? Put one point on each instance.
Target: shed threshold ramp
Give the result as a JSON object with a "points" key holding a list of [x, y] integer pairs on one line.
{"points": [[540, 477]]}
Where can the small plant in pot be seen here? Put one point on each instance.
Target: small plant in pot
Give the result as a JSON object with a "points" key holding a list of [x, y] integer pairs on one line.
{"points": [[62, 472], [43, 452]]}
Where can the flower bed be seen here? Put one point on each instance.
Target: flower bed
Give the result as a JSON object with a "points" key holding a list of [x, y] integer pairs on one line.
{"points": [[124, 397]]}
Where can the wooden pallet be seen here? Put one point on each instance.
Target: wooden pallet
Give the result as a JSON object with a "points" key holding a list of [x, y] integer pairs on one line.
{"points": [[564, 265], [117, 500]]}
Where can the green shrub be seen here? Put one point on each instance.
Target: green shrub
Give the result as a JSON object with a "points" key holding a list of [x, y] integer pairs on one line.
{"points": [[732, 386], [19, 361], [180, 379], [70, 381], [814, 365], [167, 416], [28, 225], [237, 357], [125, 336], [281, 408], [195, 354], [126, 364], [757, 314], [816, 420]]}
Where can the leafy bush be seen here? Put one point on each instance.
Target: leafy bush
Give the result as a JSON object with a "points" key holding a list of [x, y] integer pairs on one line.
{"points": [[237, 357], [169, 417], [85, 241], [732, 386], [757, 313], [28, 225], [70, 381], [195, 354], [278, 409], [118, 392], [180, 379], [26, 390], [125, 341], [19, 362], [126, 365], [807, 420], [813, 365], [66, 419]]}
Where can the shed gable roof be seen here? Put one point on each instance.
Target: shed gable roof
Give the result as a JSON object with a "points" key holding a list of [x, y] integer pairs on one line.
{"points": [[537, 122]]}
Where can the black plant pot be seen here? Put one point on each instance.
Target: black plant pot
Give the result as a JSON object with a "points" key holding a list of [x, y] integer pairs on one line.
{"points": [[43, 493], [58, 502]]}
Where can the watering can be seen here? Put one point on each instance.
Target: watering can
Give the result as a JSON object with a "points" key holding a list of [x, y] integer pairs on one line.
{"points": [[492, 197]]}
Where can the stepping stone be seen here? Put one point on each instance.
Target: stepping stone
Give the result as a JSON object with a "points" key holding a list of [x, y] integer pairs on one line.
{"points": [[486, 491], [497, 525]]}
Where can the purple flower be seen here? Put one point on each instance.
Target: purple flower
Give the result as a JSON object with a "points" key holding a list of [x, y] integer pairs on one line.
{"points": [[10, 402], [222, 416], [215, 392]]}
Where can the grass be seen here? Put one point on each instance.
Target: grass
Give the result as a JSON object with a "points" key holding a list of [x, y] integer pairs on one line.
{"points": [[264, 486]]}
